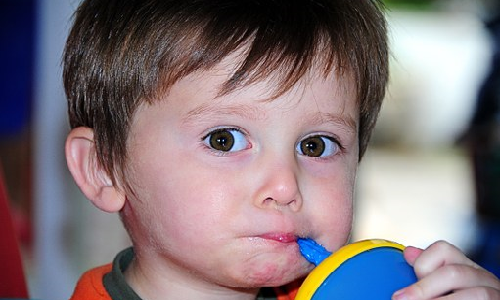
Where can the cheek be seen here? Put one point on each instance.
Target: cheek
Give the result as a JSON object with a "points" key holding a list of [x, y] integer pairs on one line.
{"points": [[335, 226], [182, 205], [336, 212], [333, 211]]}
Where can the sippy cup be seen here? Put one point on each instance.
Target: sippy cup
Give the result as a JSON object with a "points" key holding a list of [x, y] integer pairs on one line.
{"points": [[369, 269]]}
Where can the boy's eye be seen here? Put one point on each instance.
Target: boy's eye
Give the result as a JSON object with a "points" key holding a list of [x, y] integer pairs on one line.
{"points": [[226, 140], [318, 146]]}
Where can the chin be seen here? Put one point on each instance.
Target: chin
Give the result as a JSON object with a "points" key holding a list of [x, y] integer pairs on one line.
{"points": [[274, 274]]}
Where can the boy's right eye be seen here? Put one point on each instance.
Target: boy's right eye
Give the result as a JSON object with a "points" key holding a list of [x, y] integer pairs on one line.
{"points": [[226, 140]]}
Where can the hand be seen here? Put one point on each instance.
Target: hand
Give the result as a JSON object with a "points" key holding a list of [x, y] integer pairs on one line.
{"points": [[445, 273]]}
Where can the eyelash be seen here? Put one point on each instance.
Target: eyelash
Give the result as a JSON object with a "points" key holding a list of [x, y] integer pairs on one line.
{"points": [[228, 141], [233, 137], [338, 147]]}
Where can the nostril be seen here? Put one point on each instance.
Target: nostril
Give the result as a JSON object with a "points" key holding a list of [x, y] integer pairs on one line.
{"points": [[279, 202], [269, 200], [274, 203]]}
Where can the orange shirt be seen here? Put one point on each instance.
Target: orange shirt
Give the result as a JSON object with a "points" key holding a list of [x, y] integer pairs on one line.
{"points": [[90, 286]]}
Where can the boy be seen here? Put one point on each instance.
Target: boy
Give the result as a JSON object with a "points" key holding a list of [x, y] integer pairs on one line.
{"points": [[222, 130]]}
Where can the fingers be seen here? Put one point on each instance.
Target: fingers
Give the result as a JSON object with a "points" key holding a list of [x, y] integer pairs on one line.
{"points": [[411, 254], [444, 272], [437, 255], [476, 293], [451, 279]]}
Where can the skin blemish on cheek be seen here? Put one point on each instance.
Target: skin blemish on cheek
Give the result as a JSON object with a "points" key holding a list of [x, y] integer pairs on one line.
{"points": [[264, 275], [269, 273]]}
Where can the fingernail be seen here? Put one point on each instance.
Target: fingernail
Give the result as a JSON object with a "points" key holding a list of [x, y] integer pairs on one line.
{"points": [[400, 295]]}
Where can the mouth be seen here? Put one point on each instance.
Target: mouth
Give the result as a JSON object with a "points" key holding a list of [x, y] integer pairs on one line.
{"points": [[280, 237]]}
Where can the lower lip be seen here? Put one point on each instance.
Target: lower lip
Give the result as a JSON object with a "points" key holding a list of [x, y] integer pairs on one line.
{"points": [[284, 238]]}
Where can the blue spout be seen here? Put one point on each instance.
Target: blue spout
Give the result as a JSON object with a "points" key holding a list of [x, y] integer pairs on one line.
{"points": [[312, 251]]}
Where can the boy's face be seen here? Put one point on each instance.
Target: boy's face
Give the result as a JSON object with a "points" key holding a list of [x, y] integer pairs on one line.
{"points": [[224, 185]]}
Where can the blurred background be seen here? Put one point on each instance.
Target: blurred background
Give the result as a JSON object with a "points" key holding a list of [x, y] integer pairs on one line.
{"points": [[436, 139]]}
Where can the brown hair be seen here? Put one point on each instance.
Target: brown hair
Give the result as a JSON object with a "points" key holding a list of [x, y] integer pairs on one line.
{"points": [[121, 53]]}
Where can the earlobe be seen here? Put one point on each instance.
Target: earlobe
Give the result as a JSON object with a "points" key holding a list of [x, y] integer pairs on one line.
{"points": [[90, 177]]}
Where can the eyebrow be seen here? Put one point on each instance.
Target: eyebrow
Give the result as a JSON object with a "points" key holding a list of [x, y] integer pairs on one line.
{"points": [[208, 111], [343, 121], [248, 112]]}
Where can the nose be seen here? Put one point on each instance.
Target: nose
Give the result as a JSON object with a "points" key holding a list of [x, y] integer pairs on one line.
{"points": [[279, 187]]}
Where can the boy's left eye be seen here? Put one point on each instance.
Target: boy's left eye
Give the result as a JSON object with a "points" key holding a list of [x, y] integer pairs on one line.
{"points": [[318, 146], [226, 140]]}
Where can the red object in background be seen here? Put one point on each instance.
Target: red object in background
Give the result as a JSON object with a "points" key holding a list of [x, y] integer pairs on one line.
{"points": [[12, 279]]}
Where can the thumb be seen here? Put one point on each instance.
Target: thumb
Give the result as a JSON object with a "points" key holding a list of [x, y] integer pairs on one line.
{"points": [[411, 254]]}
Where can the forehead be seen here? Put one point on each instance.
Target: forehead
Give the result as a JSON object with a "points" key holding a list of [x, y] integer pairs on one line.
{"points": [[274, 84], [321, 96]]}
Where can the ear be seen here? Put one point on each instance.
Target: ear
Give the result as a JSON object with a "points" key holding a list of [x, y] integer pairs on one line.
{"points": [[88, 174]]}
